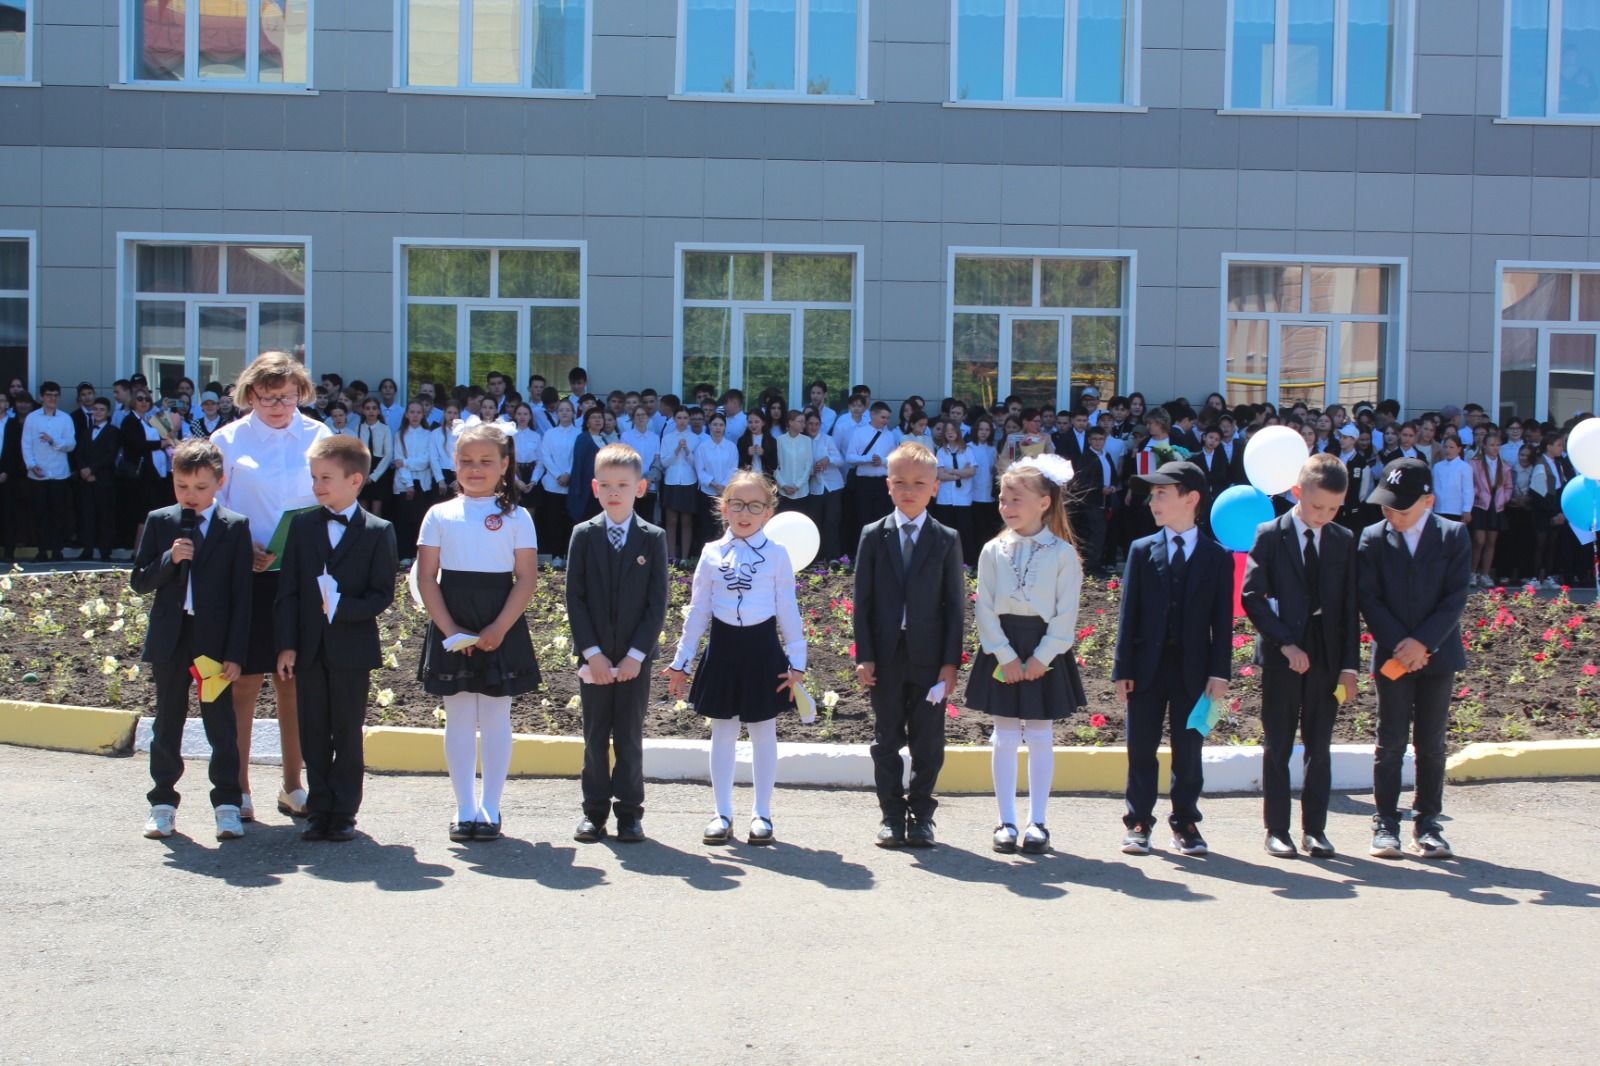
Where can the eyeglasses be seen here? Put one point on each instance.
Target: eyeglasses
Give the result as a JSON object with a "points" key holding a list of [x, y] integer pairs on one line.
{"points": [[275, 401], [748, 507]]}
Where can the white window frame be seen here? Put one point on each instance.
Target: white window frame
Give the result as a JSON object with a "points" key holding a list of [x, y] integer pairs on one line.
{"points": [[1128, 312], [127, 62], [795, 308], [1403, 59], [31, 294], [467, 304], [1132, 65], [1553, 115], [1541, 394], [1392, 365], [25, 80], [402, 40], [128, 299], [798, 95]]}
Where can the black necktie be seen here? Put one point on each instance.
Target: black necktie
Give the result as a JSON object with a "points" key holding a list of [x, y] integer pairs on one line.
{"points": [[1313, 573], [908, 543], [335, 516], [1179, 561]]}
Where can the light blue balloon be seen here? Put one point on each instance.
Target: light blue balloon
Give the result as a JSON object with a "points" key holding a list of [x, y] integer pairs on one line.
{"points": [[1236, 514], [1580, 502]]}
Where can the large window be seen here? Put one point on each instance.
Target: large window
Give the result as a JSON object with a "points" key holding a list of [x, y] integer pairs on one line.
{"points": [[16, 308], [1545, 348], [469, 309], [1321, 332], [1552, 64], [1044, 52], [16, 42], [760, 319], [1321, 55], [512, 46], [227, 44], [1040, 325], [772, 48], [204, 307]]}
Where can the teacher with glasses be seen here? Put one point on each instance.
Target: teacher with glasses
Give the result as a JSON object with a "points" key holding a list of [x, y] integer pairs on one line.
{"points": [[266, 474]]}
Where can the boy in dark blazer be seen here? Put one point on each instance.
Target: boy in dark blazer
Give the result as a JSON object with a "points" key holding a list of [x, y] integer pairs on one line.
{"points": [[331, 660], [96, 463], [909, 620], [1415, 572], [1300, 594], [616, 604], [1174, 644], [195, 558]]}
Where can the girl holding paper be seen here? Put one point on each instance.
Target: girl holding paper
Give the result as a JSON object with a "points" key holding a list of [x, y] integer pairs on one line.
{"points": [[1029, 582]]}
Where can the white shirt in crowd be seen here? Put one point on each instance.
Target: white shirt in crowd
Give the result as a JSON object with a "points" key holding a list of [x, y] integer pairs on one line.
{"points": [[380, 442], [743, 583], [869, 451], [460, 528], [393, 415], [736, 425], [677, 455], [444, 442], [794, 465], [982, 457], [831, 478], [646, 443], [1038, 576], [336, 530], [55, 458], [828, 416], [1413, 536], [715, 463], [1452, 486], [416, 460], [955, 493], [265, 470], [844, 430]]}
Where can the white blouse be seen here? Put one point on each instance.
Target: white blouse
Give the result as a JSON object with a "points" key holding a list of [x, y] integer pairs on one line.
{"points": [[647, 444], [715, 463], [743, 583], [956, 493], [265, 470], [555, 452], [831, 479], [1038, 576], [677, 453], [416, 460], [377, 438], [526, 442], [445, 444], [794, 464], [457, 528], [982, 457]]}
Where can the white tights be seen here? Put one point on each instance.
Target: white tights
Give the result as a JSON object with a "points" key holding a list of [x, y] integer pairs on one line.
{"points": [[470, 717], [763, 763], [1008, 736]]}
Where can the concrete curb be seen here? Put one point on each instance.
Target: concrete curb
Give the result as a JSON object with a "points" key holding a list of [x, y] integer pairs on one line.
{"points": [[1544, 758], [94, 730]]}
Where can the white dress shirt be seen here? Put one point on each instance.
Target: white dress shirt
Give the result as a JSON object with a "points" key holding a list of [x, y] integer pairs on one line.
{"points": [[55, 459], [1190, 538], [380, 442], [265, 470], [955, 493], [555, 452], [525, 444], [982, 457], [1452, 486], [794, 464], [901, 524], [1413, 536], [201, 525], [743, 583], [627, 523], [394, 415], [677, 455], [736, 425], [844, 430], [869, 451], [1038, 576], [831, 479], [715, 463], [646, 443], [416, 462], [336, 530]]}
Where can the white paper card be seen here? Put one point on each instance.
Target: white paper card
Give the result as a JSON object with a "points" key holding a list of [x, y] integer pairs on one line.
{"points": [[586, 675], [460, 641], [936, 693], [330, 593]]}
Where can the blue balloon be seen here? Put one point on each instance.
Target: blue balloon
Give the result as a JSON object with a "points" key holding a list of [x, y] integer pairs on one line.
{"points": [[1236, 514], [1580, 502]]}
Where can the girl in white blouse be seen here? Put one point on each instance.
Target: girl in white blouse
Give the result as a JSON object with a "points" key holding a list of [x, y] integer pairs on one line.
{"points": [[417, 477], [680, 493], [526, 444], [715, 461], [827, 484], [642, 439], [981, 448], [957, 469], [794, 462], [1026, 676], [555, 458], [445, 444], [375, 434], [744, 592]]}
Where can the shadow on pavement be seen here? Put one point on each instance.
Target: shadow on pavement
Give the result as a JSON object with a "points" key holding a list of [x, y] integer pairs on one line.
{"points": [[827, 868], [656, 859], [1043, 876], [259, 860], [551, 866], [388, 867]]}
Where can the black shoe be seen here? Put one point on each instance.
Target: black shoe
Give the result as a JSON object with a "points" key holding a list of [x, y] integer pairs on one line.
{"points": [[485, 830], [1005, 838], [919, 834], [316, 828], [892, 833], [1186, 840], [1035, 840], [1429, 843], [342, 830], [760, 831], [591, 832], [630, 832], [1136, 841], [1385, 842], [461, 832], [717, 832], [1279, 846], [1317, 845]]}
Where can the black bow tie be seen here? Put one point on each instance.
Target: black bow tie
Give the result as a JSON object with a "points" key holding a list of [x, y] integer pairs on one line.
{"points": [[335, 516]]}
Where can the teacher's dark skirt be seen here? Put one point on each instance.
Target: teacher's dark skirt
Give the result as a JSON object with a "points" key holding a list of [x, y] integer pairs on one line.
{"points": [[1055, 695], [261, 653], [740, 672], [474, 600]]}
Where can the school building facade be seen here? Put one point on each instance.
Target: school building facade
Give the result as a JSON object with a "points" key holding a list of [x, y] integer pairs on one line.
{"points": [[1275, 199]]}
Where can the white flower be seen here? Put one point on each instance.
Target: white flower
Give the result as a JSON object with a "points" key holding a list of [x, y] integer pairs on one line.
{"points": [[132, 672], [108, 665], [5, 584], [681, 706], [559, 642], [544, 703], [386, 697], [830, 699], [88, 634], [86, 609], [391, 661], [438, 714], [574, 704], [116, 626], [100, 609]]}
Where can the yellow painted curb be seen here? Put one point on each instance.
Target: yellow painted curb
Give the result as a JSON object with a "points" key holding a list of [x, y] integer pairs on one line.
{"points": [[1082, 769], [94, 730], [398, 749], [1520, 761]]}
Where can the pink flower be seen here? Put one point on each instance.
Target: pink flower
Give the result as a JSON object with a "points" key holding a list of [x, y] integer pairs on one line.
{"points": [[1097, 721], [1247, 671], [1233, 706], [1464, 693], [1567, 644], [852, 651], [1241, 640], [1575, 621], [1549, 634], [1538, 656], [950, 711], [1590, 669], [965, 658]]}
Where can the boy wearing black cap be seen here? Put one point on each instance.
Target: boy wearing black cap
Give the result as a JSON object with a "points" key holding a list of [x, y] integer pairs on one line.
{"points": [[1173, 646], [1414, 570]]}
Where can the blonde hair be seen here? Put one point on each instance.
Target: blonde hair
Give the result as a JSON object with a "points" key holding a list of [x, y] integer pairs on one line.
{"points": [[743, 478], [1034, 480], [487, 433], [913, 451], [272, 370], [619, 455]]}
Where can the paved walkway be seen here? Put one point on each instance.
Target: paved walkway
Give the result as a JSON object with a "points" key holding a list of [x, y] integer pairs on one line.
{"points": [[406, 948]]}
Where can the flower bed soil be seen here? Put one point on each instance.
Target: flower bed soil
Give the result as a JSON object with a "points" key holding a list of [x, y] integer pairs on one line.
{"points": [[76, 638]]}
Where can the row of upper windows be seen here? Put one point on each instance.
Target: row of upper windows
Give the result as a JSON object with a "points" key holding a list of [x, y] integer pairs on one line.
{"points": [[1283, 55]]}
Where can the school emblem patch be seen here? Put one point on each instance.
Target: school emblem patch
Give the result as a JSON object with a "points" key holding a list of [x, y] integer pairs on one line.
{"points": [[493, 522]]}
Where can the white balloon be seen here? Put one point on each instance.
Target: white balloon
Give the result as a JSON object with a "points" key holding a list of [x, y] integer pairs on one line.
{"points": [[798, 535], [1583, 447], [416, 592], [1273, 458]]}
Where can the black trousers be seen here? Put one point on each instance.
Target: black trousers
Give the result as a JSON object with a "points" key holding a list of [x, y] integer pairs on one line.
{"points": [[613, 721], [97, 515], [959, 518], [1304, 701], [1165, 701], [1414, 708], [1089, 525], [166, 745], [407, 514], [333, 708], [903, 717], [52, 503], [825, 511]]}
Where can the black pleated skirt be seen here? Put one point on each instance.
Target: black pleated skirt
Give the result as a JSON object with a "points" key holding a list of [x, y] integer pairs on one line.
{"points": [[474, 600], [1055, 695], [261, 653], [739, 673]]}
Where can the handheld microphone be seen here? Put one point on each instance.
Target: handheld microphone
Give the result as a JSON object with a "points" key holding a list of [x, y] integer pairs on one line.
{"points": [[186, 526]]}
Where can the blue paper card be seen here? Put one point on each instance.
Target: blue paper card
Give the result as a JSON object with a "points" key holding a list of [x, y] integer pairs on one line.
{"points": [[1206, 714]]}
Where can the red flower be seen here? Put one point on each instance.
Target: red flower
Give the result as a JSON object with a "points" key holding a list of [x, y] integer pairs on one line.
{"points": [[1482, 622], [1538, 656], [1085, 631], [1590, 669], [1097, 721], [1099, 610], [1549, 634], [1233, 706], [1366, 638], [1113, 585], [965, 658], [1566, 588], [852, 651], [1464, 693], [1575, 621], [1241, 640], [1567, 644], [950, 711], [1247, 671]]}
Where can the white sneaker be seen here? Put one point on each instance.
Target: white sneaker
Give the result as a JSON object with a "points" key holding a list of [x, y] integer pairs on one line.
{"points": [[247, 809], [1551, 583], [292, 803], [160, 825], [228, 825]]}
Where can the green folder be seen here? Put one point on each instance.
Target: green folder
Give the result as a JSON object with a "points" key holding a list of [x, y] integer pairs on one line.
{"points": [[1206, 714], [280, 536], [1000, 671]]}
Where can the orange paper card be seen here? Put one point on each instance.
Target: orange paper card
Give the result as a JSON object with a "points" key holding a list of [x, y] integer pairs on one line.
{"points": [[1394, 670]]}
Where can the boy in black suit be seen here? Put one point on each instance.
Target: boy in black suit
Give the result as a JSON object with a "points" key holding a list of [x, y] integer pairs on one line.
{"points": [[1415, 572], [332, 659], [195, 557], [616, 604], [1300, 594], [96, 463], [909, 615], [1174, 641]]}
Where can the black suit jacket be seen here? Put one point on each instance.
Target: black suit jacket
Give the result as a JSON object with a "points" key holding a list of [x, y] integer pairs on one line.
{"points": [[1276, 570], [617, 600], [138, 448], [98, 453], [1421, 597], [1205, 629], [1066, 443], [1236, 474], [1185, 438], [1219, 471], [220, 574], [931, 596], [363, 564], [11, 450]]}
